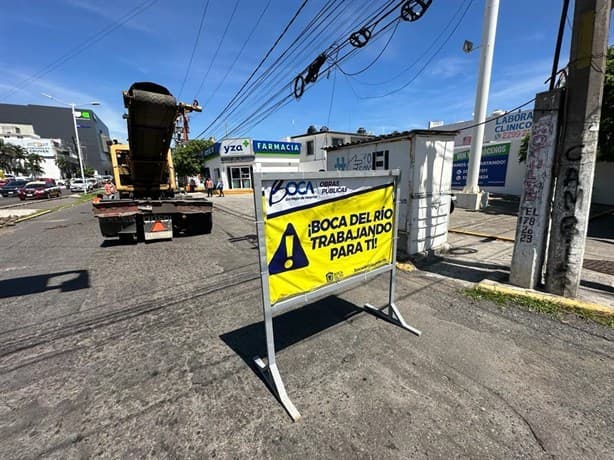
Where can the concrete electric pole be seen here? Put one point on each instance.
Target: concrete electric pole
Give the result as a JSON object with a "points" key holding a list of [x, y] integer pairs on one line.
{"points": [[576, 154], [471, 196]]}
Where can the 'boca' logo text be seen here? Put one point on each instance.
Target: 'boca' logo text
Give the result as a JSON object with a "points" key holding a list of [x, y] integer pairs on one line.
{"points": [[295, 190]]}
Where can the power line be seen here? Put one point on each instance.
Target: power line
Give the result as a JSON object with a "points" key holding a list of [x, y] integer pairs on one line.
{"points": [[288, 25], [80, 48], [427, 63], [247, 40], [250, 90], [328, 17], [269, 106], [332, 97], [218, 49], [499, 116], [426, 51], [371, 18], [280, 62], [364, 69], [200, 28], [359, 39]]}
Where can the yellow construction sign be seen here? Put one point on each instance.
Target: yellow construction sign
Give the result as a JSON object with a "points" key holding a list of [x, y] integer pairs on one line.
{"points": [[326, 241]]}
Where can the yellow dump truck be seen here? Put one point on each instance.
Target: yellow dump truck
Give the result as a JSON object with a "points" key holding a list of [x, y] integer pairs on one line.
{"points": [[144, 177]]}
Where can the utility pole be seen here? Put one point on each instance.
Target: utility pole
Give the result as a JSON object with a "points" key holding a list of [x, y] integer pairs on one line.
{"points": [[576, 154], [182, 128], [535, 201], [471, 196]]}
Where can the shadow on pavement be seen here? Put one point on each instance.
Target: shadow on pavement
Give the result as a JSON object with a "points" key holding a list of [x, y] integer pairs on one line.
{"points": [[466, 270], [502, 204], [602, 228], [64, 281], [250, 238], [289, 328], [597, 286]]}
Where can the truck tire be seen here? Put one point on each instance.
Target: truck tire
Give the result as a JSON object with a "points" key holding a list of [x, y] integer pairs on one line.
{"points": [[196, 224]]}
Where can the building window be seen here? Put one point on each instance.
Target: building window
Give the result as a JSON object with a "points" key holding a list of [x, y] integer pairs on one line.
{"points": [[240, 177], [380, 159], [337, 141], [309, 147]]}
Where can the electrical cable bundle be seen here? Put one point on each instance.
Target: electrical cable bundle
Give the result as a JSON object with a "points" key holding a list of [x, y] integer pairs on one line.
{"points": [[279, 91]]}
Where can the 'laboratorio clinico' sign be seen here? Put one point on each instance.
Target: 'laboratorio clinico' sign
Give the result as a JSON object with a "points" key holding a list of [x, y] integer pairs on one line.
{"points": [[322, 231]]}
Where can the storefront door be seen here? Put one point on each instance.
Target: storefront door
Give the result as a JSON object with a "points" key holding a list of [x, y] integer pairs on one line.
{"points": [[240, 176]]}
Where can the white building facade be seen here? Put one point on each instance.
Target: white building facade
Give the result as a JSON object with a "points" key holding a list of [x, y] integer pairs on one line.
{"points": [[425, 160], [509, 129], [48, 149], [233, 161], [314, 142]]}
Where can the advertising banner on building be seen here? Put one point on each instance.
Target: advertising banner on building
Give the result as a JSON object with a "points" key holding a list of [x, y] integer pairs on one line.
{"points": [[493, 167], [319, 232]]}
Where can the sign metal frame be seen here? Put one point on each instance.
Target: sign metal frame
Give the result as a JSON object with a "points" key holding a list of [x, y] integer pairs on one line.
{"points": [[389, 312]]}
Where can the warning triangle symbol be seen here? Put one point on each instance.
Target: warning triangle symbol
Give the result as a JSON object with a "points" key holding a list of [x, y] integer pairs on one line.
{"points": [[158, 227], [289, 254]]}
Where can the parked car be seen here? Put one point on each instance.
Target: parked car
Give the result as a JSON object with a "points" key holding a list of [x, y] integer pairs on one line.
{"points": [[77, 185], [39, 189], [93, 181], [12, 187]]}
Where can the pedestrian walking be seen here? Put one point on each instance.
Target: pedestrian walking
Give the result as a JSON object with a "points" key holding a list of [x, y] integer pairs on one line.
{"points": [[209, 187], [220, 187]]}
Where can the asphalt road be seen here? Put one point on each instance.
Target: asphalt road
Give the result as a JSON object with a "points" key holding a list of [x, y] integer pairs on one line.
{"points": [[145, 350], [9, 201]]}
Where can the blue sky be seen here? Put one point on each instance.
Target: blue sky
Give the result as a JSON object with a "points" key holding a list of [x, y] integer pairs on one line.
{"points": [[157, 43]]}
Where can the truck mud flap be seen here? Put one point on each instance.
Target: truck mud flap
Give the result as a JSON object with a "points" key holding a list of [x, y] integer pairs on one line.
{"points": [[157, 227]]}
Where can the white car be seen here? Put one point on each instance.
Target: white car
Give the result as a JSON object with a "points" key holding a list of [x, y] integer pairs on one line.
{"points": [[77, 185], [93, 182]]}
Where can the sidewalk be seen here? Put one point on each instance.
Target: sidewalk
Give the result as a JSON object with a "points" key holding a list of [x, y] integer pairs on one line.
{"points": [[482, 245]]}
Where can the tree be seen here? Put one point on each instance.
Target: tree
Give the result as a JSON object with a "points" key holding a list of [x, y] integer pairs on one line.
{"points": [[524, 148], [32, 165], [605, 147], [88, 171], [188, 159], [11, 158], [66, 167]]}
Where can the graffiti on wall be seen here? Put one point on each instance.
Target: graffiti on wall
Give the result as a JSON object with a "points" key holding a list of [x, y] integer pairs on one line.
{"points": [[536, 181], [572, 193]]}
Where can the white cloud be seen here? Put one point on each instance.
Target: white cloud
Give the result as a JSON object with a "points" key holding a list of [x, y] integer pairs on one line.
{"points": [[103, 10], [450, 67]]}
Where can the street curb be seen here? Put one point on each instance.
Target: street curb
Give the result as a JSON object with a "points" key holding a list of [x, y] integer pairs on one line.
{"points": [[493, 286], [32, 216], [480, 234], [406, 266]]}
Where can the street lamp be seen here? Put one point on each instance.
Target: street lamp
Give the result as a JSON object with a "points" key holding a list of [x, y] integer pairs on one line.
{"points": [[74, 121]]}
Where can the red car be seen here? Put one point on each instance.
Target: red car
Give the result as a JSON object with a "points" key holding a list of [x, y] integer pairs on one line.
{"points": [[39, 189]]}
